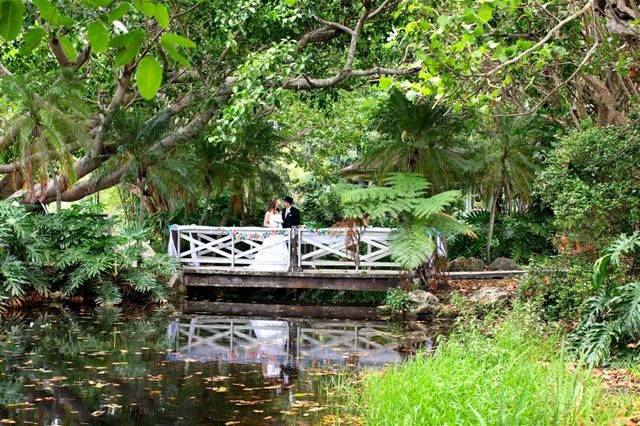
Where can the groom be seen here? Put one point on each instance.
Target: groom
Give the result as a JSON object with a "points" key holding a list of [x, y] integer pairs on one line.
{"points": [[290, 214]]}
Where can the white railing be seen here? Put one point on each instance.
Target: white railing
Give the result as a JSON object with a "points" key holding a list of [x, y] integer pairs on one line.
{"points": [[236, 248], [345, 248], [226, 247]]}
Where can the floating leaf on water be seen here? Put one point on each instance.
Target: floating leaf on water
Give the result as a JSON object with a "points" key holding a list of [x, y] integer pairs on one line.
{"points": [[97, 413], [8, 421]]}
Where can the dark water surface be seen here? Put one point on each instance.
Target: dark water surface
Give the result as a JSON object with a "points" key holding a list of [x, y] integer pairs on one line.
{"points": [[102, 366]]}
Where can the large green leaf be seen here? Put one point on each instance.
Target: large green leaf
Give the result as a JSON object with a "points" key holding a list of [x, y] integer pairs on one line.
{"points": [[31, 39], [98, 36], [162, 15], [171, 43], [128, 46], [48, 11], [68, 48], [11, 18], [118, 13], [148, 77]]}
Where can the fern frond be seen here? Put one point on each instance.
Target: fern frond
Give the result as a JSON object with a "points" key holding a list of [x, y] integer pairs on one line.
{"points": [[450, 226], [424, 208], [411, 246]]}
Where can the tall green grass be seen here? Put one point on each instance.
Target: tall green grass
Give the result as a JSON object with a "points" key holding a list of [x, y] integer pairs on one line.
{"points": [[508, 373]]}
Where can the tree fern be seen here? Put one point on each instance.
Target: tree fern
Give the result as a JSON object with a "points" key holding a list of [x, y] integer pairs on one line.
{"points": [[403, 201], [411, 245]]}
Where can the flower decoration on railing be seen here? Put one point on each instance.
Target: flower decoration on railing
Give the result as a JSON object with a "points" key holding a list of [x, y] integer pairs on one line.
{"points": [[328, 232], [254, 235]]}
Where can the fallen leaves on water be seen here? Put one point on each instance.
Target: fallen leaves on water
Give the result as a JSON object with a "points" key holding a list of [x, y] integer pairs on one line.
{"points": [[97, 413], [219, 389], [7, 422]]}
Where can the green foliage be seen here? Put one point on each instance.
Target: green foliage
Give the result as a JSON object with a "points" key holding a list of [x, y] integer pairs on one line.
{"points": [[321, 204], [512, 371], [517, 236], [397, 300], [419, 136], [612, 317], [591, 184], [403, 202], [560, 284], [76, 252]]}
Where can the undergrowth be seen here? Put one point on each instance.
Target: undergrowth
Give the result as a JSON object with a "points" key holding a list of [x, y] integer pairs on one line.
{"points": [[509, 371]]}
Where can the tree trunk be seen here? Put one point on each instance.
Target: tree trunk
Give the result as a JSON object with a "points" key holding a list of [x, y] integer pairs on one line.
{"points": [[141, 207], [58, 195], [492, 220]]}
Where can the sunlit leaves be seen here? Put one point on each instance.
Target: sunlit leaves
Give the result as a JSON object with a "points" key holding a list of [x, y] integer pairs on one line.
{"points": [[148, 76], [11, 18], [98, 36], [31, 39]]}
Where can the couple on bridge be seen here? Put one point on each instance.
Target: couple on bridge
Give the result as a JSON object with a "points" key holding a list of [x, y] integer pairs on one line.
{"points": [[274, 255]]}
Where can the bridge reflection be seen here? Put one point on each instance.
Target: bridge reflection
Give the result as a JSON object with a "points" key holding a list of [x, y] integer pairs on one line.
{"points": [[282, 346]]}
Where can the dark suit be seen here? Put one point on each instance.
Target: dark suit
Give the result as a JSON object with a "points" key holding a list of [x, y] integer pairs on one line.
{"points": [[291, 219]]}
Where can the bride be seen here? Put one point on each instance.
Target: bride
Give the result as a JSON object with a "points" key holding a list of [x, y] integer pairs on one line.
{"points": [[273, 255]]}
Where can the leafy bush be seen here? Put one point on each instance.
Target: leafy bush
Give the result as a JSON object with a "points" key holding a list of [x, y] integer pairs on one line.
{"points": [[611, 321], [507, 372], [591, 182], [517, 236], [321, 206], [397, 300], [560, 284], [76, 252]]}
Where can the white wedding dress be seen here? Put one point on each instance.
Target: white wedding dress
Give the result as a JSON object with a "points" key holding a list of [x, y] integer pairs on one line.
{"points": [[274, 254]]}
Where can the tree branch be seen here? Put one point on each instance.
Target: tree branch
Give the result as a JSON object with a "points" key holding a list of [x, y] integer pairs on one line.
{"points": [[546, 38]]}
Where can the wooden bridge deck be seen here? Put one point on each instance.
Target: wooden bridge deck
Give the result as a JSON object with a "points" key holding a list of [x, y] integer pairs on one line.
{"points": [[326, 259], [315, 279]]}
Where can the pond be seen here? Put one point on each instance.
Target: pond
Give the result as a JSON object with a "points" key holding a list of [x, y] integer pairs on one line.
{"points": [[106, 366]]}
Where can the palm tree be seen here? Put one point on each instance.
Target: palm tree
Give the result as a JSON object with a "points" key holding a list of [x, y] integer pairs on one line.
{"points": [[160, 180], [507, 169], [418, 137], [46, 132], [246, 166]]}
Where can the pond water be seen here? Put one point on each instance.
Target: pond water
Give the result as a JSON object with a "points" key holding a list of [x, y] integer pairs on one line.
{"points": [[103, 366]]}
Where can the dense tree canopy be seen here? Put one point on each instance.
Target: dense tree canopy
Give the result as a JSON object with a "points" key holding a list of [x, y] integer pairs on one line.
{"points": [[208, 72]]}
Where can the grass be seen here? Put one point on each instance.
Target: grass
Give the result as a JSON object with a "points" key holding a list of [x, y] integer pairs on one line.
{"points": [[510, 372]]}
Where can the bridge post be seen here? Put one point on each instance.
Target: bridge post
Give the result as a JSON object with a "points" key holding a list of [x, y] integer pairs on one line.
{"points": [[293, 250], [175, 239]]}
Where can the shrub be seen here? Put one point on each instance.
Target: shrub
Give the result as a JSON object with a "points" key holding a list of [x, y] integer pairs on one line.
{"points": [[516, 236], [397, 300], [611, 322], [560, 284], [76, 251], [591, 182]]}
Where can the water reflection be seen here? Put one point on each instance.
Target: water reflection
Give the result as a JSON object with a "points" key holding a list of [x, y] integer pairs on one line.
{"points": [[102, 366]]}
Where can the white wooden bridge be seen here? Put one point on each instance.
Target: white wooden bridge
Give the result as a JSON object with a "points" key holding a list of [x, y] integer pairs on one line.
{"points": [[328, 258]]}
